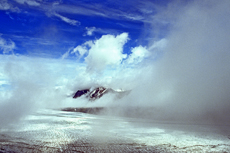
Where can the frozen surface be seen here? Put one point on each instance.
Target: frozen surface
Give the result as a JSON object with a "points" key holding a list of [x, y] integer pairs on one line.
{"points": [[60, 131]]}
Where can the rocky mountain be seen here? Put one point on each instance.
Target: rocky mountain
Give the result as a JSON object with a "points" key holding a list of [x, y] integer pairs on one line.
{"points": [[98, 92]]}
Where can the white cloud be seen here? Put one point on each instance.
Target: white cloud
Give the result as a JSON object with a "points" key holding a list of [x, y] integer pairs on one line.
{"points": [[67, 20], [4, 5], [138, 54], [117, 12], [133, 17], [6, 46], [106, 51], [66, 53], [90, 31], [31, 84], [80, 49], [29, 2], [32, 3], [158, 45]]}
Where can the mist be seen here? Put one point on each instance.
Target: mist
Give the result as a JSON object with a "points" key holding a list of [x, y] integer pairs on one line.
{"points": [[190, 82], [29, 84]]}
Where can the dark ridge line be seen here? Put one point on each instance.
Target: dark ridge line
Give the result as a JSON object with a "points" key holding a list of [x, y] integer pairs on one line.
{"points": [[89, 110]]}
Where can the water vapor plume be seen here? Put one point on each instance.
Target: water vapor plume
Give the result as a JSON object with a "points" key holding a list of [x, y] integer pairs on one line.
{"points": [[190, 82], [27, 85]]}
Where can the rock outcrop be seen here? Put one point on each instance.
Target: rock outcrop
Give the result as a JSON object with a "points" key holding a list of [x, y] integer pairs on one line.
{"points": [[98, 92], [79, 93]]}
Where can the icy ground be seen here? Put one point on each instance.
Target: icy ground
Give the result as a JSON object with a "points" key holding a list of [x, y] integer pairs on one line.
{"points": [[60, 131]]}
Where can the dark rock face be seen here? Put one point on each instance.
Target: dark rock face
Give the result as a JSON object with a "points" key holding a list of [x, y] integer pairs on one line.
{"points": [[79, 93], [98, 92]]}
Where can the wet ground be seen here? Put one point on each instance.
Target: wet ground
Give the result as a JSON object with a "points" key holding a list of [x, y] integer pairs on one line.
{"points": [[62, 131]]}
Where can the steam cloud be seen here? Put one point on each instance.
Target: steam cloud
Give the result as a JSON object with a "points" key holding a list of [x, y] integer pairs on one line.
{"points": [[191, 81], [27, 84]]}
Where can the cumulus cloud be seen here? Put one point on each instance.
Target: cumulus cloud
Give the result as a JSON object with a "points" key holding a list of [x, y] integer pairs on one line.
{"points": [[67, 20], [137, 55], [6, 45], [108, 50], [105, 55]]}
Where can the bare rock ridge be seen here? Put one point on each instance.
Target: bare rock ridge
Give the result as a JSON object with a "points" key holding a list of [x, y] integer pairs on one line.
{"points": [[79, 93], [98, 92], [92, 94]]}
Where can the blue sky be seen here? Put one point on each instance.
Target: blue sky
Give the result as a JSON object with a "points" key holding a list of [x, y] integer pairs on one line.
{"points": [[49, 28]]}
